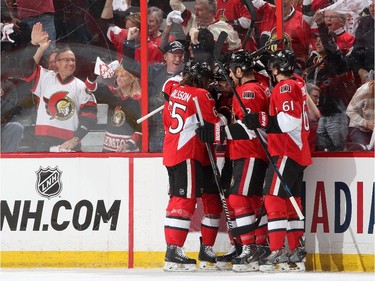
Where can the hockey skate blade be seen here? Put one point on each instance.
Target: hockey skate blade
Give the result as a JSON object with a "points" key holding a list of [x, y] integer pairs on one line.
{"points": [[297, 267], [253, 266], [176, 267], [280, 267], [223, 265], [205, 265]]}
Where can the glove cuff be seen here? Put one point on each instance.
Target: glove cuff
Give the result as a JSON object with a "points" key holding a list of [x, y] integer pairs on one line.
{"points": [[263, 119], [219, 131]]}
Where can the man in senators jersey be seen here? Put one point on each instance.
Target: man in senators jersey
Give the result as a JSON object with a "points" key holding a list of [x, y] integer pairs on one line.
{"points": [[66, 112]]}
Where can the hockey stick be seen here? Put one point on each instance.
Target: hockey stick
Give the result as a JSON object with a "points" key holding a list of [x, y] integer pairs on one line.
{"points": [[148, 115], [261, 50], [216, 173], [250, 7], [217, 52]]}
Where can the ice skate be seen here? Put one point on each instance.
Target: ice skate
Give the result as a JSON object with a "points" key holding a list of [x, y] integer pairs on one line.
{"points": [[206, 257], [276, 261], [297, 257], [224, 262], [247, 261], [176, 260]]}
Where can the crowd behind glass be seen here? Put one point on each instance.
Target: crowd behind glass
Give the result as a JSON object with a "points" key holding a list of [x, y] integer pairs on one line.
{"points": [[84, 26]]}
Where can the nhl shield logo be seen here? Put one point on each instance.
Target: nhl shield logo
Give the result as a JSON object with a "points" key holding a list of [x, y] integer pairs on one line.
{"points": [[48, 183]]}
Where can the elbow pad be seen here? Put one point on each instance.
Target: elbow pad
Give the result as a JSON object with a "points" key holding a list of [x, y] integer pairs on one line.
{"points": [[273, 125]]}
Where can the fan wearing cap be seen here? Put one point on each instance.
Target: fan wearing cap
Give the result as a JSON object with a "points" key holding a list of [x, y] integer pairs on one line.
{"points": [[158, 74]]}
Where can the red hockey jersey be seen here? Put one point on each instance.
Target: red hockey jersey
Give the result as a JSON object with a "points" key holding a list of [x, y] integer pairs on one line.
{"points": [[288, 103], [180, 122], [255, 98]]}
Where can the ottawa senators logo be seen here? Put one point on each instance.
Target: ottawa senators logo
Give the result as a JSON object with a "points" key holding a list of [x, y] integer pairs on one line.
{"points": [[60, 106], [285, 89], [48, 183], [118, 118], [287, 41], [220, 14], [248, 95]]}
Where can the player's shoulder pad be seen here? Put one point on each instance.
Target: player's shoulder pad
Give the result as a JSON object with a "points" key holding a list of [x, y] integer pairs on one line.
{"points": [[170, 84]]}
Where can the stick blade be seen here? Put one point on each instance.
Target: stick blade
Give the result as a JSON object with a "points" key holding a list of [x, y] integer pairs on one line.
{"points": [[219, 44]]}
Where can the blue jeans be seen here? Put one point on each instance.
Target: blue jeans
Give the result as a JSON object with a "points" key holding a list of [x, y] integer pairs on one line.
{"points": [[11, 135], [48, 22], [332, 132]]}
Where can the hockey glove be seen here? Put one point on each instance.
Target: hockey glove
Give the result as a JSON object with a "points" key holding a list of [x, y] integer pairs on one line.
{"points": [[210, 133], [255, 120], [262, 120]]}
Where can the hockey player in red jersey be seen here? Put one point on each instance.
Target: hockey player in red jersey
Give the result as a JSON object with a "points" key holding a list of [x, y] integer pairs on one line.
{"points": [[189, 170], [249, 162], [287, 126]]}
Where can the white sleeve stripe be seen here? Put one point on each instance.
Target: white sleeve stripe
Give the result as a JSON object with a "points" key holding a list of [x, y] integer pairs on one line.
{"points": [[288, 123]]}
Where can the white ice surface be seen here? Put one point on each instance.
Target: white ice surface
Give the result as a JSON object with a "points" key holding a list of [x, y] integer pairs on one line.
{"points": [[160, 275]]}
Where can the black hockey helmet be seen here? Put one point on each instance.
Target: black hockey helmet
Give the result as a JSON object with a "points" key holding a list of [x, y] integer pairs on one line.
{"points": [[220, 72], [284, 60], [197, 74], [240, 59], [199, 70]]}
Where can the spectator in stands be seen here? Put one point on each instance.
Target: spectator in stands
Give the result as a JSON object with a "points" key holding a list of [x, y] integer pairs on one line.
{"points": [[328, 72], [118, 35], [162, 5], [361, 113], [361, 58], [66, 112], [155, 20], [204, 17], [158, 73], [11, 131], [28, 13], [52, 60], [72, 20], [336, 22], [123, 134], [314, 113], [235, 13], [297, 32]]}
